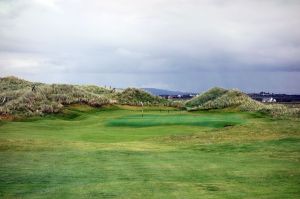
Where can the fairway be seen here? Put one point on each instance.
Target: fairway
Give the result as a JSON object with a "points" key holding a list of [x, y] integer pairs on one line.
{"points": [[116, 152]]}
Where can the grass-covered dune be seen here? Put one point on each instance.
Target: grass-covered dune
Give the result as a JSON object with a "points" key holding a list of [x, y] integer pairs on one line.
{"points": [[114, 152], [21, 97], [133, 96], [205, 97], [219, 98]]}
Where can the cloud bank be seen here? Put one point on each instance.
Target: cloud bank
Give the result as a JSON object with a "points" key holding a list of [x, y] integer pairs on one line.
{"points": [[176, 44]]}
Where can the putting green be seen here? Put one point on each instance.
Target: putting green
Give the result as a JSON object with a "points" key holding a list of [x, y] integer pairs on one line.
{"points": [[148, 120]]}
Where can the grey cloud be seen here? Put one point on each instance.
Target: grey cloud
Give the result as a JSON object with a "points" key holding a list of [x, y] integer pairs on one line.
{"points": [[159, 42]]}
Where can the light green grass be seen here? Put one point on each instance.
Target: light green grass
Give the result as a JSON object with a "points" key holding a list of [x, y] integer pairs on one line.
{"points": [[115, 153]]}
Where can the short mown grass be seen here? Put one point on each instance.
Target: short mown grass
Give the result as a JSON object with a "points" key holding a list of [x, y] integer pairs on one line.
{"points": [[113, 152], [147, 120]]}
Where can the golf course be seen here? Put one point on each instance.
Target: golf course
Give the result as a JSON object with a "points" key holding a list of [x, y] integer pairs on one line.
{"points": [[159, 99], [118, 151]]}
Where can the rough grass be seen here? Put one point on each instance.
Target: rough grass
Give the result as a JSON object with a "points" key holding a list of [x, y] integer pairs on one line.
{"points": [[133, 96], [76, 155], [14, 83], [18, 97], [211, 94], [49, 99], [218, 98]]}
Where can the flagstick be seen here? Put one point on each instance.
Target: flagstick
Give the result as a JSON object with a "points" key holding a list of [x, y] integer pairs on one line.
{"points": [[142, 109]]}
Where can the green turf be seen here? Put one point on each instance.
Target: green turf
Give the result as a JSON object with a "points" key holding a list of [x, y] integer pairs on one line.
{"points": [[147, 120], [115, 153]]}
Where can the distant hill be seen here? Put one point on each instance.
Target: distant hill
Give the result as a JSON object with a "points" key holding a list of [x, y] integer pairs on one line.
{"points": [[157, 92]]}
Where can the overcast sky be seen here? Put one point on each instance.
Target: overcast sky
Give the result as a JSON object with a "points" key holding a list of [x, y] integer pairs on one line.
{"points": [[188, 45]]}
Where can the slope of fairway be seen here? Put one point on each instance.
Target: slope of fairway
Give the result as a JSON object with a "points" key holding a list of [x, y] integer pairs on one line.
{"points": [[79, 155]]}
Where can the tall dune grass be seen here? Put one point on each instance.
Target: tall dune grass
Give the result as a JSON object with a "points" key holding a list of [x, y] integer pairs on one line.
{"points": [[218, 98], [133, 96], [20, 97]]}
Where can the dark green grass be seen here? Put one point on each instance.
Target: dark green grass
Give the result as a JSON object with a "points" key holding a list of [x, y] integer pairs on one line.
{"points": [[80, 154], [148, 120]]}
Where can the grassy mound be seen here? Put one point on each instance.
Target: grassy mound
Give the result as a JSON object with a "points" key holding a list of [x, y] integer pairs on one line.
{"points": [[218, 98], [21, 97], [47, 99], [205, 97], [133, 96]]}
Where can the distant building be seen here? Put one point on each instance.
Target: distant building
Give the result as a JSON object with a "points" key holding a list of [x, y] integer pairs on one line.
{"points": [[279, 97], [268, 100]]}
